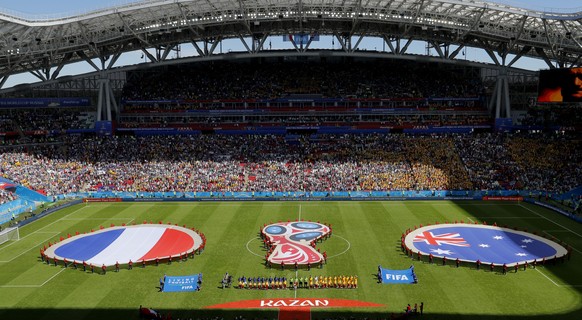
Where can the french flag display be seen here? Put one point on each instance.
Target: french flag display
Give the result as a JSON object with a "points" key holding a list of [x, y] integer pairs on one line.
{"points": [[128, 243]]}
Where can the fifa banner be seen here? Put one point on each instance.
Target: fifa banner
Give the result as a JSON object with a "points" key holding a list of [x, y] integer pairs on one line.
{"points": [[181, 283], [398, 276], [103, 128], [44, 102]]}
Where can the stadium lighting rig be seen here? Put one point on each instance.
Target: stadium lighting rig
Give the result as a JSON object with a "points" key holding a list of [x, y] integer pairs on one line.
{"points": [[44, 44]]}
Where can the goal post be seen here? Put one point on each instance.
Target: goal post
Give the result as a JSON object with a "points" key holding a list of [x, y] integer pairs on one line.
{"points": [[9, 234]]}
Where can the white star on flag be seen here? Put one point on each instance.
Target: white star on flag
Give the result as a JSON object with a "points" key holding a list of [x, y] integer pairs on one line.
{"points": [[521, 254], [484, 245], [527, 240], [441, 251], [523, 246], [498, 238]]}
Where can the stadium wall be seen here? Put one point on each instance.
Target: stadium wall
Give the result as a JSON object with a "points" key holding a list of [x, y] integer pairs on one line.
{"points": [[19, 206], [112, 196], [14, 209]]}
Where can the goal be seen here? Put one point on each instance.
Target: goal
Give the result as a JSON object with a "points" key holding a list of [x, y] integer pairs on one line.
{"points": [[9, 234]]}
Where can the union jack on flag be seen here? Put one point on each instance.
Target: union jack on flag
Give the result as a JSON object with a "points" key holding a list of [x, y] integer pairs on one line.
{"points": [[453, 239]]}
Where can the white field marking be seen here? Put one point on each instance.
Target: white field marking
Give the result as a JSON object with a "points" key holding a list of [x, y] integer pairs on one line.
{"points": [[471, 220], [249, 249], [554, 236], [32, 285], [502, 217], [296, 275], [50, 224], [54, 234], [49, 279], [89, 219], [44, 241], [20, 286], [339, 254], [538, 270], [530, 210], [310, 203], [28, 235], [217, 202], [299, 213], [444, 203]]}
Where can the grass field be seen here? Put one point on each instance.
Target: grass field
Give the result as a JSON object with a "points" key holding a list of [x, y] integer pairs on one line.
{"points": [[366, 234]]}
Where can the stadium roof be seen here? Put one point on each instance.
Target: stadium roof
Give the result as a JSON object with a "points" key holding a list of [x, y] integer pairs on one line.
{"points": [[42, 45]]}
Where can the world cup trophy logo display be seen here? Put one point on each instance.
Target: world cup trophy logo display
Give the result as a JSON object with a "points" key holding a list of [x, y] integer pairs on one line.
{"points": [[294, 242]]}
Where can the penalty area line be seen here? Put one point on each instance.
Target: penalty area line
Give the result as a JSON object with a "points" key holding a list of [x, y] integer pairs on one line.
{"points": [[54, 233], [44, 241], [49, 279], [32, 285]]}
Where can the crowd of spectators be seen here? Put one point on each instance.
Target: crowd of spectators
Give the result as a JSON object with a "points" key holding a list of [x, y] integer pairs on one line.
{"points": [[488, 162], [43, 119], [298, 118], [547, 116], [525, 161], [29, 126], [268, 80], [547, 164], [6, 196], [6, 123], [309, 163]]}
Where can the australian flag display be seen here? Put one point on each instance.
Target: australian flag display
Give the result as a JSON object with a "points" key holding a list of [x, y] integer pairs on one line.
{"points": [[489, 244], [181, 283]]}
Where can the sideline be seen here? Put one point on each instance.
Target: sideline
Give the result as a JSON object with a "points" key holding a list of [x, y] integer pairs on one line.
{"points": [[551, 235], [503, 217], [552, 221], [543, 274], [560, 285]]}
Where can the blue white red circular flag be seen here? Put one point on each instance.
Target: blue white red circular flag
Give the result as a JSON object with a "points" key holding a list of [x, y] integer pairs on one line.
{"points": [[127, 243], [489, 244]]}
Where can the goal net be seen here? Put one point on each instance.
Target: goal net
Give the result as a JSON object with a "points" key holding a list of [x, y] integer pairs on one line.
{"points": [[9, 234]]}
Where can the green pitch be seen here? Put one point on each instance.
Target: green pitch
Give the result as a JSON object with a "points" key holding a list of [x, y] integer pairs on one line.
{"points": [[365, 234]]}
